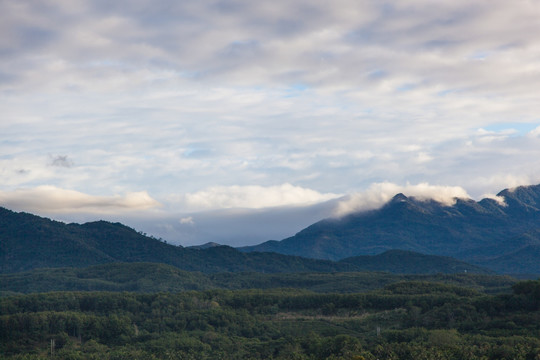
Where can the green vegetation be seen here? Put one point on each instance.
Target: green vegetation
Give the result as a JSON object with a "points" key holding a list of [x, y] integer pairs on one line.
{"points": [[104, 291], [404, 320], [30, 242], [152, 277]]}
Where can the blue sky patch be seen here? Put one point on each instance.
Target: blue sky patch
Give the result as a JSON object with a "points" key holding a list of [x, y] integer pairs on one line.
{"points": [[521, 128]]}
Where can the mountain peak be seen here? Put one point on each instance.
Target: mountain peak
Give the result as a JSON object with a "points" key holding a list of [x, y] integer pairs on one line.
{"points": [[207, 245], [525, 198], [399, 198], [468, 230]]}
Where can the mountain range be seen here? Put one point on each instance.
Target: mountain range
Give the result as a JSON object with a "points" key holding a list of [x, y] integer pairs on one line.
{"points": [[31, 242], [502, 234], [406, 235]]}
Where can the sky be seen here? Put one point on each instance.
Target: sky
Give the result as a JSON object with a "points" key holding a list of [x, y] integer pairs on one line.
{"points": [[243, 121]]}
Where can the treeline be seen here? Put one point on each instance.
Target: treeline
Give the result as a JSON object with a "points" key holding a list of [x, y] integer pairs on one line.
{"points": [[407, 320], [152, 277]]}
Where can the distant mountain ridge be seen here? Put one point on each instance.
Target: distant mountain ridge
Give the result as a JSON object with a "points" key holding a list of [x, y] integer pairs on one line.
{"points": [[29, 242], [504, 237], [205, 246]]}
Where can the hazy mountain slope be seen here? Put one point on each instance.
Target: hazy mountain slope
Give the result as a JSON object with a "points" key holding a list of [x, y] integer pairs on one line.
{"points": [[469, 230], [526, 260], [29, 242], [408, 262]]}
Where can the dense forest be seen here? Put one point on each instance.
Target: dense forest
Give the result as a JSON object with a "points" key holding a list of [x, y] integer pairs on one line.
{"points": [[153, 277], [403, 320]]}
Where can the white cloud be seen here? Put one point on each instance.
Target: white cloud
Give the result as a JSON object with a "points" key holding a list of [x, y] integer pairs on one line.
{"points": [[50, 199], [187, 220], [500, 181], [499, 199], [254, 197], [192, 97], [535, 132], [380, 193]]}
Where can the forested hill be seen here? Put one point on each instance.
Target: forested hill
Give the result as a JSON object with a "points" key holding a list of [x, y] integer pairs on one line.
{"points": [[503, 236], [151, 277], [30, 242]]}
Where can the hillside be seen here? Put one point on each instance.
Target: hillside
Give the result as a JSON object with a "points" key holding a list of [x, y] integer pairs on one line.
{"points": [[152, 277], [486, 232], [409, 262], [30, 242]]}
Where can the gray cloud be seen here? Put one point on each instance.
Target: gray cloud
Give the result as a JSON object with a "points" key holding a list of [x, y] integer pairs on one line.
{"points": [[236, 227], [180, 97], [309, 38], [61, 161]]}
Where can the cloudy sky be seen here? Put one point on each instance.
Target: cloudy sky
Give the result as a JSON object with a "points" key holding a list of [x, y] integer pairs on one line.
{"points": [[242, 121]]}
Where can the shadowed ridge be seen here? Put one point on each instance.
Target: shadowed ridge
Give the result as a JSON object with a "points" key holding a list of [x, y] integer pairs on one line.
{"points": [[408, 262], [522, 199]]}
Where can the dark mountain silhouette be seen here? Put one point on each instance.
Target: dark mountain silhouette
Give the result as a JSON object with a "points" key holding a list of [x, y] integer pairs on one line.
{"points": [[29, 242], [409, 262], [205, 246], [504, 237]]}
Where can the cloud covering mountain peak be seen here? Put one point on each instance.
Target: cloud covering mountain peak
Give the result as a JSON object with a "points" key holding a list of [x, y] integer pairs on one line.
{"points": [[380, 193]]}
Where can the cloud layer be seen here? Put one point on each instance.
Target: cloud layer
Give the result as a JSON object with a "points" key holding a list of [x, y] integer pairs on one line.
{"points": [[254, 197], [379, 194], [217, 104], [50, 199]]}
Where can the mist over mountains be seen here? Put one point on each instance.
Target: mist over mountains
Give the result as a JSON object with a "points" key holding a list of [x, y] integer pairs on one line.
{"points": [[503, 236], [406, 235]]}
